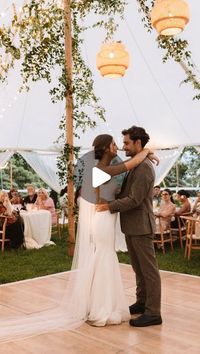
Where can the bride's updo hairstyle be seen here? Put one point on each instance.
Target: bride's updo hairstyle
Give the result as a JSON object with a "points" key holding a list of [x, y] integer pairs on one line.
{"points": [[101, 143]]}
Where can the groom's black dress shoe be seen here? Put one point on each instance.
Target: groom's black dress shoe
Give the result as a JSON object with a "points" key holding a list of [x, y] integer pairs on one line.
{"points": [[146, 320], [137, 308]]}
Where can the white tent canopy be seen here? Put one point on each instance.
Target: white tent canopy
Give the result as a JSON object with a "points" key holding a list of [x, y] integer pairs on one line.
{"points": [[45, 164], [149, 95]]}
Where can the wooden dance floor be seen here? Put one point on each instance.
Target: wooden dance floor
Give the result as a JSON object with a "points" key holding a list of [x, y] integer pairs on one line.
{"points": [[179, 333]]}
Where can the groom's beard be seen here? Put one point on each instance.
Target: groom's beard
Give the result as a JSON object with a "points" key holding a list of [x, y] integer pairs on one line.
{"points": [[130, 153]]}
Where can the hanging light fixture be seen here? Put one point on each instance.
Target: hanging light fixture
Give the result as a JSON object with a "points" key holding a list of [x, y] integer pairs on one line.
{"points": [[112, 60], [169, 17]]}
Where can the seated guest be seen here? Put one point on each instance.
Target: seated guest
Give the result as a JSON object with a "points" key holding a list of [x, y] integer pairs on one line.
{"points": [[183, 196], [64, 201], [11, 193], [196, 206], [54, 195], [166, 210], [32, 195], [14, 227], [6, 202], [156, 196], [63, 191], [185, 207], [17, 201], [43, 201]]}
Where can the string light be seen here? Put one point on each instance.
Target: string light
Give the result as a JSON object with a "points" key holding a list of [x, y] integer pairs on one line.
{"points": [[5, 108], [4, 12], [5, 63]]}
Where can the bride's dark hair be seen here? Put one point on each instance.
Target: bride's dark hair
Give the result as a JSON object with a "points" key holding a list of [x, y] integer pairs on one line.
{"points": [[101, 143]]}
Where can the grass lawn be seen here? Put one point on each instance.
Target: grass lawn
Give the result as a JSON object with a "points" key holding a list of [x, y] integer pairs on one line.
{"points": [[26, 264], [173, 261]]}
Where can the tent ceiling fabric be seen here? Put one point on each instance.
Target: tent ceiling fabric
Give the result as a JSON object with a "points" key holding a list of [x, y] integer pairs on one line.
{"points": [[149, 95]]}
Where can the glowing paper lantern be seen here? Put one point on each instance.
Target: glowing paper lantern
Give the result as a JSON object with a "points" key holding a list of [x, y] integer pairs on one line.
{"points": [[169, 17], [112, 60]]}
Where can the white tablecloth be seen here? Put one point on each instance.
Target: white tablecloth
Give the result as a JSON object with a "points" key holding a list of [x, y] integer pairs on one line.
{"points": [[37, 228]]}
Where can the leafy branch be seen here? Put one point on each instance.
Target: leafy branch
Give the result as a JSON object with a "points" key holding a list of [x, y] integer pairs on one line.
{"points": [[36, 38], [175, 48]]}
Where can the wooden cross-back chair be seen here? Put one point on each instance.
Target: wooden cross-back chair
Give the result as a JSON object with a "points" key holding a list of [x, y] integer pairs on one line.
{"points": [[181, 229], [162, 236], [192, 235], [3, 238], [56, 227]]}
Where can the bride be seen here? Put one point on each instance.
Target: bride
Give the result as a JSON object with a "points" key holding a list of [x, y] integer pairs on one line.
{"points": [[95, 292]]}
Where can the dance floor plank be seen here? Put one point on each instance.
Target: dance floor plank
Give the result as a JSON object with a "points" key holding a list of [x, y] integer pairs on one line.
{"points": [[179, 332]]}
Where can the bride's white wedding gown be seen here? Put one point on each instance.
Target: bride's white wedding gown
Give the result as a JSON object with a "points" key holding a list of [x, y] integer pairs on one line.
{"points": [[95, 252]]}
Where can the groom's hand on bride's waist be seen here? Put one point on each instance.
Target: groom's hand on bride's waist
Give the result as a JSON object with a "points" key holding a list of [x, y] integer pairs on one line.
{"points": [[102, 207]]}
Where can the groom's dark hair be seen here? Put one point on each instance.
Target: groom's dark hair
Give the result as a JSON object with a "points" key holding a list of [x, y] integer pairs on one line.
{"points": [[136, 133], [101, 143]]}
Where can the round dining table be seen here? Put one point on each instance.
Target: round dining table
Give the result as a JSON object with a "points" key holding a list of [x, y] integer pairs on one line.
{"points": [[37, 228]]}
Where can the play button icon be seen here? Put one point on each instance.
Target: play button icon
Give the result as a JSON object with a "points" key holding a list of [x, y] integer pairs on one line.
{"points": [[99, 177]]}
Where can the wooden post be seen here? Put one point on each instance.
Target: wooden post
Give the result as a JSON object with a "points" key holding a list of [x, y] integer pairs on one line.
{"points": [[69, 126]]}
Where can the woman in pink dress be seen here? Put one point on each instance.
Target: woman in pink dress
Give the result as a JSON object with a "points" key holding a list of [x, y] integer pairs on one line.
{"points": [[44, 202]]}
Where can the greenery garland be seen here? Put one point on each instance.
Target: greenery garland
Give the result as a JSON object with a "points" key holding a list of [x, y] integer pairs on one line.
{"points": [[175, 48], [36, 38]]}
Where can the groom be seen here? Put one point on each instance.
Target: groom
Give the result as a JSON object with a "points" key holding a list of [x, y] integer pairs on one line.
{"points": [[137, 223]]}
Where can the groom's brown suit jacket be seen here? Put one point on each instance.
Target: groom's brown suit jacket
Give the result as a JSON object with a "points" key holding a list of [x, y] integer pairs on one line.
{"points": [[134, 202]]}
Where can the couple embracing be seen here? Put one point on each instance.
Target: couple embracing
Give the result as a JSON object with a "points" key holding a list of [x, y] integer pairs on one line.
{"points": [[106, 303]]}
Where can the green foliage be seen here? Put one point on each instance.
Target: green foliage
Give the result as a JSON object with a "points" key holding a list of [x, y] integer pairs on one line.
{"points": [[39, 30], [191, 159], [188, 169], [22, 174], [175, 48]]}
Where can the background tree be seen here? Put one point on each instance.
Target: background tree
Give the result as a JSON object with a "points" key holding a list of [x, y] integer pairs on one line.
{"points": [[22, 174], [188, 170]]}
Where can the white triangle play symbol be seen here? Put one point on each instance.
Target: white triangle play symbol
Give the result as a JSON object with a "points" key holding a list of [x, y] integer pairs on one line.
{"points": [[99, 177]]}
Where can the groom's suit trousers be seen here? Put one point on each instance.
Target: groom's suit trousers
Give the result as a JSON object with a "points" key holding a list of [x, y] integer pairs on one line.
{"points": [[143, 261]]}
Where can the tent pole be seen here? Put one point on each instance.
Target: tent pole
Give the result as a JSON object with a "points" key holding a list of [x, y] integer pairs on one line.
{"points": [[69, 125]]}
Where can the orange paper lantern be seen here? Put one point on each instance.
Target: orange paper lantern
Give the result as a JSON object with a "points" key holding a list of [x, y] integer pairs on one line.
{"points": [[112, 60], [169, 17]]}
